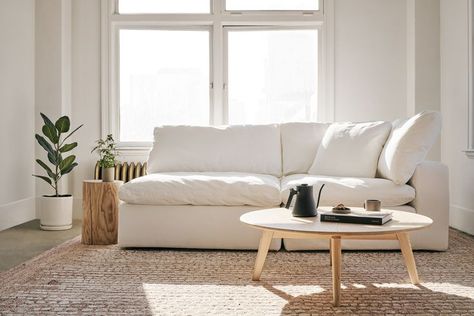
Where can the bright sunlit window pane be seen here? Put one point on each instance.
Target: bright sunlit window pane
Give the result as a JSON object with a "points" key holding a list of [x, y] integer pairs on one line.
{"points": [[164, 79], [269, 5], [273, 76], [164, 6]]}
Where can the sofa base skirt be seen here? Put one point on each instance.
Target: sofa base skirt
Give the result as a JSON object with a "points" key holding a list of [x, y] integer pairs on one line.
{"points": [[424, 239], [186, 226]]}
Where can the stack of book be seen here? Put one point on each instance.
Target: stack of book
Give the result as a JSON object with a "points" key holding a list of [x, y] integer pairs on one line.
{"points": [[357, 217]]}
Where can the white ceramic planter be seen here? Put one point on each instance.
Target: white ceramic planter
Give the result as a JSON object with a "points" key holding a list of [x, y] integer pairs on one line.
{"points": [[56, 212], [108, 174]]}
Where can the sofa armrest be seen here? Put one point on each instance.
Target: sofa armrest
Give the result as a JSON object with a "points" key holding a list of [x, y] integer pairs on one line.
{"points": [[431, 183]]}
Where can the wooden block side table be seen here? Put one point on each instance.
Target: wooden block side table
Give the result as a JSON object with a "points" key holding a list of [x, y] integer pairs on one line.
{"points": [[100, 204]]}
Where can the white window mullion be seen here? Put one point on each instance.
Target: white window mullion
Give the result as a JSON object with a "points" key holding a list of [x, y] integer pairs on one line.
{"points": [[326, 110], [217, 108], [114, 122], [225, 75], [217, 111]]}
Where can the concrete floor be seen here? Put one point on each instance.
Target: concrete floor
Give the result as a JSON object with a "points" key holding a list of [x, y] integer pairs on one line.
{"points": [[23, 242]]}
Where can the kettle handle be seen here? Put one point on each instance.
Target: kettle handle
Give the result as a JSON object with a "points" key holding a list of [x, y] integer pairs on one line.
{"points": [[292, 193], [319, 195]]}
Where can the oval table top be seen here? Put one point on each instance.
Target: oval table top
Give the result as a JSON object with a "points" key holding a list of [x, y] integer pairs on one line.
{"points": [[280, 219]]}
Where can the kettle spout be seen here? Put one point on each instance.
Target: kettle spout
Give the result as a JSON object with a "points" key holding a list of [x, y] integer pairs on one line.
{"points": [[319, 195]]}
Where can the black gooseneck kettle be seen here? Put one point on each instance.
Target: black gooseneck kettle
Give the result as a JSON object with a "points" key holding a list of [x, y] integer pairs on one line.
{"points": [[304, 205]]}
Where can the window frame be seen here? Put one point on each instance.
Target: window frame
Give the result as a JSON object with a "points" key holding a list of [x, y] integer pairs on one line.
{"points": [[216, 21]]}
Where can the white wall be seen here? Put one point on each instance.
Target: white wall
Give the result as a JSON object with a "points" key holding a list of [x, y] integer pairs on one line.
{"points": [[370, 60], [424, 68], [53, 74], [454, 106], [17, 99], [386, 60], [85, 89]]}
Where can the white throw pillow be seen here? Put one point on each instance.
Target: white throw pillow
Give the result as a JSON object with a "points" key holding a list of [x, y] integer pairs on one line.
{"points": [[351, 149], [408, 145]]}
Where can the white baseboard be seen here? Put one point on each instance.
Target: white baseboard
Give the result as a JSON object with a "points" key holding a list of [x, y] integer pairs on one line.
{"points": [[17, 212], [462, 218]]}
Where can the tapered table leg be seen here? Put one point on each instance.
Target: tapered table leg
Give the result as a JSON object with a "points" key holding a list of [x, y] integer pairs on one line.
{"points": [[336, 269], [330, 252], [263, 247], [407, 252]]}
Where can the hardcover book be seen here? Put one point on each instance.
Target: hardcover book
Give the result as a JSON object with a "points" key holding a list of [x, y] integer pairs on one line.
{"points": [[357, 217]]}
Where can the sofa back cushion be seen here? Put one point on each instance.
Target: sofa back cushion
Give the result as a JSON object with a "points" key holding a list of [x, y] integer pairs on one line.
{"points": [[351, 149], [300, 142], [237, 148], [407, 146]]}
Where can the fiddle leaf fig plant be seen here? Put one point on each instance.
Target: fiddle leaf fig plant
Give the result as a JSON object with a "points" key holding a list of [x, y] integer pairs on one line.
{"points": [[55, 146], [107, 150]]}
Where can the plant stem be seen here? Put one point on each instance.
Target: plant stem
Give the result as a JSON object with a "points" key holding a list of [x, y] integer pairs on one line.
{"points": [[57, 165]]}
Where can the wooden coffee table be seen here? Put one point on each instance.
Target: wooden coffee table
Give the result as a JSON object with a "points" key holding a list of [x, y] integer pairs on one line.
{"points": [[279, 223]]}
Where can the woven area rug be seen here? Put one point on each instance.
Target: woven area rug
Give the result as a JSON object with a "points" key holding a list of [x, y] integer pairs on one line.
{"points": [[74, 278]]}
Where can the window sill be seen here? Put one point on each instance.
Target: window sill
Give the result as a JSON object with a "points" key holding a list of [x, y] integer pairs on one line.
{"points": [[469, 153], [128, 151]]}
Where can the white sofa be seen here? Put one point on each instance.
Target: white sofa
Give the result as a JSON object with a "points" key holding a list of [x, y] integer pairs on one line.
{"points": [[202, 179]]}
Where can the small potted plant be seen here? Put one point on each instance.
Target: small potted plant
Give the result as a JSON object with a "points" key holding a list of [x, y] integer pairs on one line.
{"points": [[56, 209], [107, 150]]}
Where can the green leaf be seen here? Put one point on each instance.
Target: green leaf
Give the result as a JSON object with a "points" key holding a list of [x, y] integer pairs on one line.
{"points": [[51, 133], [68, 147], [46, 120], [44, 143], [45, 167], [44, 178], [66, 163], [63, 124], [69, 169], [49, 130], [53, 159]]}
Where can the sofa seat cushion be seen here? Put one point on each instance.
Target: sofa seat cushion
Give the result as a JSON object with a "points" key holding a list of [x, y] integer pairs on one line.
{"points": [[203, 188], [351, 191]]}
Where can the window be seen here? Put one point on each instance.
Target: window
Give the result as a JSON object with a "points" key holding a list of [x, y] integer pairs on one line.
{"points": [[272, 75], [163, 6], [272, 5], [164, 79], [200, 62]]}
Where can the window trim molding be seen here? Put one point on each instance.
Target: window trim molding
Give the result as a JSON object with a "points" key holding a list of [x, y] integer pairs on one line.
{"points": [[111, 22], [470, 110]]}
